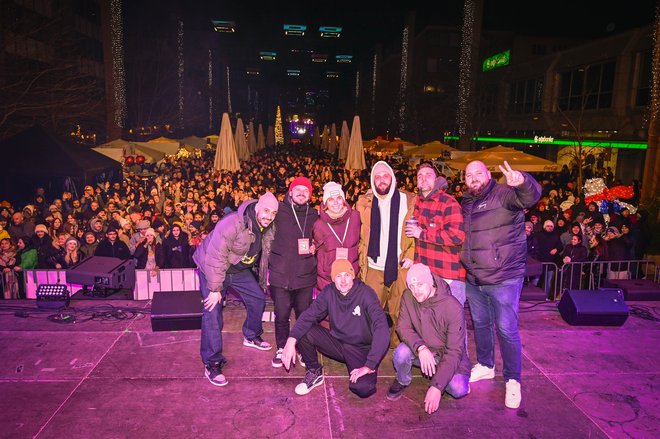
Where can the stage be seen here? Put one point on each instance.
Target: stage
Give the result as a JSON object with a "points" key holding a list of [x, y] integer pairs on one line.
{"points": [[115, 378]]}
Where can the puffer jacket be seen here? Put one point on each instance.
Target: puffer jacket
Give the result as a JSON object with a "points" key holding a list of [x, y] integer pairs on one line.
{"points": [[288, 269], [327, 243], [226, 245], [439, 324], [495, 247]]}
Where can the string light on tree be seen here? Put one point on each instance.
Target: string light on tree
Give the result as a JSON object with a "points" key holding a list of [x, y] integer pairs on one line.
{"points": [[373, 93], [404, 81], [279, 134], [228, 93], [118, 72], [180, 72], [210, 90], [465, 67], [357, 88]]}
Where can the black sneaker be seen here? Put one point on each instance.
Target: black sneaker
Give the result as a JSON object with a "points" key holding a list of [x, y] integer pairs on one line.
{"points": [[395, 391], [257, 343], [214, 373], [313, 378]]}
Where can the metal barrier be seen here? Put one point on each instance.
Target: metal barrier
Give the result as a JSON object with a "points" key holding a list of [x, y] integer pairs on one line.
{"points": [[590, 275], [540, 280], [146, 281]]}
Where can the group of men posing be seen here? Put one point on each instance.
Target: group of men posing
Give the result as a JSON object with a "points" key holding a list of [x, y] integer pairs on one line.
{"points": [[418, 256]]}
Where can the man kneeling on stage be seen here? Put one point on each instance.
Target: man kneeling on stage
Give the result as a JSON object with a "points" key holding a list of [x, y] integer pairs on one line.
{"points": [[432, 332], [359, 335]]}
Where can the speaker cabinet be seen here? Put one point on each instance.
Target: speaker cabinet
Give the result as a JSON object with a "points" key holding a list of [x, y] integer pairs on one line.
{"points": [[603, 307], [176, 311]]}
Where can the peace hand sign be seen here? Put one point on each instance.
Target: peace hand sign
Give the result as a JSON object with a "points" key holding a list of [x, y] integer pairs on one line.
{"points": [[513, 178]]}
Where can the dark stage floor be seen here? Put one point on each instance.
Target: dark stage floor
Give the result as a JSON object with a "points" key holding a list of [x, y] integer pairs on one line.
{"points": [[115, 379]]}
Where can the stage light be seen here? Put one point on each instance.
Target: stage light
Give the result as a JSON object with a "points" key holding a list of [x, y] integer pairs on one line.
{"points": [[54, 296]]}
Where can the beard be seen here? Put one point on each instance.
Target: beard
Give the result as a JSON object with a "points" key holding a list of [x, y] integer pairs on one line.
{"points": [[476, 191], [380, 190]]}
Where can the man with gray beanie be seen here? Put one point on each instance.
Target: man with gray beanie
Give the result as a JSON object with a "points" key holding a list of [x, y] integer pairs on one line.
{"points": [[237, 246]]}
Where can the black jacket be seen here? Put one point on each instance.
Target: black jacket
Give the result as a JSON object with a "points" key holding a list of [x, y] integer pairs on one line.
{"points": [[118, 250], [177, 252], [141, 255], [495, 247], [288, 269]]}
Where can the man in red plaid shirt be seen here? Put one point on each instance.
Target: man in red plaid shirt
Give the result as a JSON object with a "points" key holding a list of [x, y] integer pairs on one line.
{"points": [[440, 235]]}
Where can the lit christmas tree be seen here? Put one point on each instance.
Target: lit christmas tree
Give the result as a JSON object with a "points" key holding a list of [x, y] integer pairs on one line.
{"points": [[279, 134]]}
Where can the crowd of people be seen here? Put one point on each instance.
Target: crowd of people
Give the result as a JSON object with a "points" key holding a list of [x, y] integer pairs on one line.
{"points": [[392, 242]]}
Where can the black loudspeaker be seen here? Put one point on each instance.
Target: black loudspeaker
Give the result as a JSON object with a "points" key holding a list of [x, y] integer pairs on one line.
{"points": [[103, 272], [603, 307], [176, 311]]}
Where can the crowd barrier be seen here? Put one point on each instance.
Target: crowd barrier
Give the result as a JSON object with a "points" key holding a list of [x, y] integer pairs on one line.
{"points": [[146, 281]]}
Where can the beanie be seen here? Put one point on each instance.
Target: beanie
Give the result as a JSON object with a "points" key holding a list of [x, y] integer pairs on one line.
{"points": [[71, 239], [267, 200], [301, 181], [529, 224], [341, 266], [548, 222], [332, 189], [40, 227], [420, 274], [150, 231]]}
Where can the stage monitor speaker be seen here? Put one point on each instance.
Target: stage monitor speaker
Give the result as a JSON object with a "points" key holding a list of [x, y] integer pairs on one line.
{"points": [[103, 272], [603, 307], [176, 311]]}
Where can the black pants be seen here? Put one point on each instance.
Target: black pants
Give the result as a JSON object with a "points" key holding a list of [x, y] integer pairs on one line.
{"points": [[319, 338], [285, 300]]}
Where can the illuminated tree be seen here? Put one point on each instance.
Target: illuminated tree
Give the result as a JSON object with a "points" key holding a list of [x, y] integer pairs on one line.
{"points": [[279, 133]]}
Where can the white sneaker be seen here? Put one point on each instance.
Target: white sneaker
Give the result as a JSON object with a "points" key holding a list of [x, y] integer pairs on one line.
{"points": [[277, 359], [513, 394], [480, 372], [300, 360]]}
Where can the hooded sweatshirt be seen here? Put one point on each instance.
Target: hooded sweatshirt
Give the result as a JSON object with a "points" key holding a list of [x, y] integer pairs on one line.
{"points": [[384, 206]]}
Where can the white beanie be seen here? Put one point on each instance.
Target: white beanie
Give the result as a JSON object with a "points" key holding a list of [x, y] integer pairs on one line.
{"points": [[332, 189]]}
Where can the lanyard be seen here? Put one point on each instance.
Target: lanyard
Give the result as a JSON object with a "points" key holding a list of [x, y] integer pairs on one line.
{"points": [[341, 241], [302, 229]]}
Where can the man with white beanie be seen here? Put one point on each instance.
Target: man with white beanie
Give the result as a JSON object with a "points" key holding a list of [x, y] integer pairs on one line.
{"points": [[237, 246]]}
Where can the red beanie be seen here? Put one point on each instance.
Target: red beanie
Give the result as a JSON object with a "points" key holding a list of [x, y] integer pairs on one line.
{"points": [[301, 181]]}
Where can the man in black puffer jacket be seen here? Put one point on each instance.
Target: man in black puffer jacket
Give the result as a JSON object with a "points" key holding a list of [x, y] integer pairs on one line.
{"points": [[494, 254]]}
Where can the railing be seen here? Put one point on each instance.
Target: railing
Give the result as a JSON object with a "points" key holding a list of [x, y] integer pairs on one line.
{"points": [[590, 275], [541, 278], [146, 281]]}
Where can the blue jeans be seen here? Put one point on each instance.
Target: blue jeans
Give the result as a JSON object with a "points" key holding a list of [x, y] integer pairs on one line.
{"points": [[497, 304], [404, 359], [253, 296]]}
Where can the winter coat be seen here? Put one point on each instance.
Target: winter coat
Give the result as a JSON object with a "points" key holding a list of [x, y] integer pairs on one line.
{"points": [[495, 247], [547, 242], [439, 324], [327, 243], [28, 258], [228, 243], [288, 269], [142, 254], [116, 250], [177, 252]]}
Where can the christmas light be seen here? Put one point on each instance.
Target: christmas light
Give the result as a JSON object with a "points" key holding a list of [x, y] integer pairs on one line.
{"points": [[210, 90], [373, 93], [118, 72], [279, 134], [465, 68], [357, 88], [180, 73], [228, 93], [404, 81]]}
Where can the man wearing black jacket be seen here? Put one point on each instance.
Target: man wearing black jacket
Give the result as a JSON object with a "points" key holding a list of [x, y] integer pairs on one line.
{"points": [[359, 335], [292, 263]]}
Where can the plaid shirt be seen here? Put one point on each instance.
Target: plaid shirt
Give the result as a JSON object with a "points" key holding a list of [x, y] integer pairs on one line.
{"points": [[439, 245]]}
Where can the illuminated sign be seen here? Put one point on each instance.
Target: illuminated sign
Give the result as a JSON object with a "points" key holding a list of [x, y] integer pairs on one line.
{"points": [[344, 59], [293, 72], [252, 71], [332, 75], [542, 139], [319, 57], [294, 29], [559, 142], [498, 60], [223, 26], [330, 31], [268, 56]]}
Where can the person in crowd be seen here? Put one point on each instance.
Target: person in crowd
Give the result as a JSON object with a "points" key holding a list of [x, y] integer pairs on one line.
{"points": [[574, 252], [594, 214], [70, 255], [240, 243], [149, 254], [89, 244], [433, 333], [28, 256], [9, 258], [619, 247], [336, 233], [358, 334], [112, 247], [214, 217], [533, 267], [177, 249], [292, 263], [494, 255], [19, 227], [573, 229], [55, 227], [385, 252], [549, 251], [139, 235], [44, 246]]}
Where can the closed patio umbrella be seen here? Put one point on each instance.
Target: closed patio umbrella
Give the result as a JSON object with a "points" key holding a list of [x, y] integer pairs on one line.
{"points": [[225, 153], [355, 157]]}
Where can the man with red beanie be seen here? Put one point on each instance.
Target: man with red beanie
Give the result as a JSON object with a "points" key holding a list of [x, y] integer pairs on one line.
{"points": [[292, 262]]}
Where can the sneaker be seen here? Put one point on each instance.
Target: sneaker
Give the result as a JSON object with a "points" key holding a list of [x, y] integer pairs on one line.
{"points": [[481, 372], [257, 343], [277, 359], [513, 394], [396, 390], [313, 378], [214, 373], [300, 361]]}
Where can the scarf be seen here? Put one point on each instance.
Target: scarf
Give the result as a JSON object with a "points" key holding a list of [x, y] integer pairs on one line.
{"points": [[391, 263]]}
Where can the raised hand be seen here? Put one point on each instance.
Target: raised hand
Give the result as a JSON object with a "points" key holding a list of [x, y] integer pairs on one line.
{"points": [[513, 178]]}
